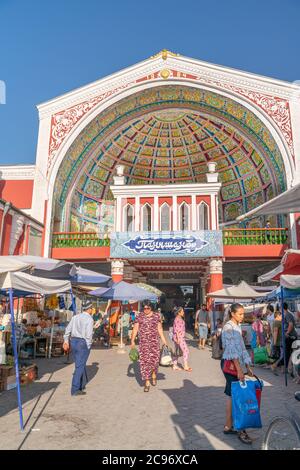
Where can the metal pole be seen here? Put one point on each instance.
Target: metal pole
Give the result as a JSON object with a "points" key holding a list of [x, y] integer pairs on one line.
{"points": [[283, 335], [13, 332], [18, 310], [51, 336], [73, 302]]}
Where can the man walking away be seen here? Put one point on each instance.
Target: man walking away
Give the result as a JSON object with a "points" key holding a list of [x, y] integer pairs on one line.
{"points": [[202, 321], [79, 334]]}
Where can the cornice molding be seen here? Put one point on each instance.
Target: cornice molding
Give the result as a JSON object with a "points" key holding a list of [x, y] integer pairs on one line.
{"points": [[269, 95], [150, 66], [165, 190], [17, 172]]}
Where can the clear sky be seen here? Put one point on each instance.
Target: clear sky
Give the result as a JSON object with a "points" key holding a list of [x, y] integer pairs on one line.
{"points": [[49, 47]]}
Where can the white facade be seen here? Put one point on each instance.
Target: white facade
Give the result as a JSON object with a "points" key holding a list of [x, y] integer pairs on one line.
{"points": [[274, 102]]}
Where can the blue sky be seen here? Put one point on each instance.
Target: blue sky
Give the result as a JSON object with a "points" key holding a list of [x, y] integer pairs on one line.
{"points": [[49, 47]]}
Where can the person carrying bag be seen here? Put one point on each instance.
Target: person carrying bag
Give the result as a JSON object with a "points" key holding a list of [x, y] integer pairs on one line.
{"points": [[235, 358], [245, 406], [165, 357]]}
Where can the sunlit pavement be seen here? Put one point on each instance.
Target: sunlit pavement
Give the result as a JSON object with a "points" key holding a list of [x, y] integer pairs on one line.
{"points": [[185, 410]]}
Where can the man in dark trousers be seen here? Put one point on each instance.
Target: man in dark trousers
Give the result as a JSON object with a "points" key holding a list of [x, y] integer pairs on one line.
{"points": [[79, 334]]}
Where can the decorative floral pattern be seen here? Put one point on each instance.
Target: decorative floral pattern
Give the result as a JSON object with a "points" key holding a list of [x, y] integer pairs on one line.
{"points": [[162, 142]]}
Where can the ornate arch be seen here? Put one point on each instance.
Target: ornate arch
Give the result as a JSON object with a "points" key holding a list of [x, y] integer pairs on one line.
{"points": [[76, 178]]}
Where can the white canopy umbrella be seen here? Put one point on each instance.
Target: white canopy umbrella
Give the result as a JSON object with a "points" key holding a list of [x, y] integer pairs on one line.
{"points": [[9, 263], [286, 203], [290, 281], [25, 283], [37, 262], [241, 291]]}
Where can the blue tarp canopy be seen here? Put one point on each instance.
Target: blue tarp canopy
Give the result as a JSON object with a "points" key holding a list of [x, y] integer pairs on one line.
{"points": [[288, 294], [86, 276], [123, 291]]}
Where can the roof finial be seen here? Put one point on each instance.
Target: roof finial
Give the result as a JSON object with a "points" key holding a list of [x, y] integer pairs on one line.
{"points": [[164, 54]]}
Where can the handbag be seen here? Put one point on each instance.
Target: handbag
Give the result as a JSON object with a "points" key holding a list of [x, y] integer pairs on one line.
{"points": [[245, 407], [165, 357], [229, 367], [134, 355], [260, 355], [178, 350], [217, 348]]}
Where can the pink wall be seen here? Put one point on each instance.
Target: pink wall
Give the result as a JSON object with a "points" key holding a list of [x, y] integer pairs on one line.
{"points": [[18, 192]]}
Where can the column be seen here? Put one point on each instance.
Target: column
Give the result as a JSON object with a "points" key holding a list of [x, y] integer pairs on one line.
{"points": [[175, 214], [216, 277], [213, 222], [137, 214], [117, 270], [156, 215], [119, 221], [193, 225]]}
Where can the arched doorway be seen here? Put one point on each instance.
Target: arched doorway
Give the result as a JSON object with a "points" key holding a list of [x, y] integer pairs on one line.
{"points": [[164, 135]]}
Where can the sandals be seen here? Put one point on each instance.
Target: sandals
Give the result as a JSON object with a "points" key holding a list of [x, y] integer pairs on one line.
{"points": [[189, 369], [244, 438], [146, 388], [227, 430], [154, 381]]}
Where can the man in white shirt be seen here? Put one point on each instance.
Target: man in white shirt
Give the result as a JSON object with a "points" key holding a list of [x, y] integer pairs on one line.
{"points": [[79, 334]]}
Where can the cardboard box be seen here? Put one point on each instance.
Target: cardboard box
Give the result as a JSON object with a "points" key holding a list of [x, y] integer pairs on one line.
{"points": [[11, 382], [6, 371], [8, 383]]}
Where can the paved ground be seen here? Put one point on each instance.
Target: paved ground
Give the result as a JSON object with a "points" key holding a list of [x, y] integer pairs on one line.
{"points": [[185, 410]]}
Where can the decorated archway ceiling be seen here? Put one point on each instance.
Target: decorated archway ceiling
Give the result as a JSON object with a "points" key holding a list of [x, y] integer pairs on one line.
{"points": [[167, 135]]}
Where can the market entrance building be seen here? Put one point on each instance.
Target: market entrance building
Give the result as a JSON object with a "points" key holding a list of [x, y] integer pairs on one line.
{"points": [[177, 149]]}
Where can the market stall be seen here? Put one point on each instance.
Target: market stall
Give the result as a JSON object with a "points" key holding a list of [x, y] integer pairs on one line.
{"points": [[288, 274], [20, 284], [245, 294]]}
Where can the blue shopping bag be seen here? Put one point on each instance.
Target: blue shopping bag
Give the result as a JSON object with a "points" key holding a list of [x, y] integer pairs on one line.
{"points": [[245, 407]]}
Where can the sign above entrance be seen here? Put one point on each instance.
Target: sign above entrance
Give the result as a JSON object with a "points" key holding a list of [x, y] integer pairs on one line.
{"points": [[196, 244]]}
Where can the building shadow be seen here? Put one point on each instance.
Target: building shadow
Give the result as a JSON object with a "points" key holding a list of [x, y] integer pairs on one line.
{"points": [[9, 401], [133, 371], [194, 406], [92, 370]]}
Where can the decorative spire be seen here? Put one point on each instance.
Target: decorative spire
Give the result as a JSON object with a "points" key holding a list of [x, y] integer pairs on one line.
{"points": [[164, 54]]}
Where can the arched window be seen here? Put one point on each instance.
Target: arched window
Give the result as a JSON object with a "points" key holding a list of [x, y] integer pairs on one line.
{"points": [[128, 219], [165, 217], [203, 223], [146, 218], [184, 217]]}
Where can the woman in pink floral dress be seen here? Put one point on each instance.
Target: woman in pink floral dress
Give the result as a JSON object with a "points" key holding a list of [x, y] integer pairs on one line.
{"points": [[179, 340], [148, 326]]}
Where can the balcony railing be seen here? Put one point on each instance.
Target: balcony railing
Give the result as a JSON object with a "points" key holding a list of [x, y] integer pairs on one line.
{"points": [[79, 239], [255, 236], [234, 236]]}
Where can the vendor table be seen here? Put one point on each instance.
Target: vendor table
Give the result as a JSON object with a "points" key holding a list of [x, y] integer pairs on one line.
{"points": [[41, 346]]}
